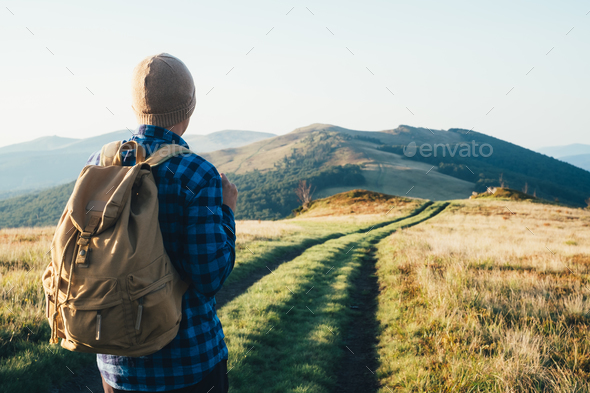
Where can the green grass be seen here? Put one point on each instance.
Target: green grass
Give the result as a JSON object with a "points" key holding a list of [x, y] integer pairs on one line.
{"points": [[257, 254], [285, 333]]}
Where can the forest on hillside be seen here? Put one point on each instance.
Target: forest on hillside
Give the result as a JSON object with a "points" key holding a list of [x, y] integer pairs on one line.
{"points": [[265, 195], [510, 166]]}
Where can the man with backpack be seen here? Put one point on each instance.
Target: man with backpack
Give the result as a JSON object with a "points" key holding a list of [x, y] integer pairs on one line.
{"points": [[196, 218]]}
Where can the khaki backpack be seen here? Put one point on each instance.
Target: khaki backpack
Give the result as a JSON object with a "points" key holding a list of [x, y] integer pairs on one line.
{"points": [[110, 286]]}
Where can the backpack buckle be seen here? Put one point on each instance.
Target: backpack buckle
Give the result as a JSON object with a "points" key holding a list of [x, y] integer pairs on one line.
{"points": [[84, 241]]}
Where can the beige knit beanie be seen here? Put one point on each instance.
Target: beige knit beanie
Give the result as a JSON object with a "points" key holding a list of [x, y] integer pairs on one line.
{"points": [[163, 91]]}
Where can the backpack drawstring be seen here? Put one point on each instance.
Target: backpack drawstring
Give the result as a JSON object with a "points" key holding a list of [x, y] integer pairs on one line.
{"points": [[54, 339]]}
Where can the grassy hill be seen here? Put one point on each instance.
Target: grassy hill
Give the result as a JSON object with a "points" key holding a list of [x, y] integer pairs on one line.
{"points": [[447, 174]]}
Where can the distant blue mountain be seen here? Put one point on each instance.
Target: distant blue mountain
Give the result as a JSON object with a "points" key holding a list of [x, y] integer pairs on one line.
{"points": [[53, 160], [564, 151], [579, 160]]}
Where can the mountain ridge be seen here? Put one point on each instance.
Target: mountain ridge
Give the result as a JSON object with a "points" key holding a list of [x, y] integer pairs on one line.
{"points": [[335, 159]]}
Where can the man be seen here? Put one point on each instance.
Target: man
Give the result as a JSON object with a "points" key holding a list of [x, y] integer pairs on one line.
{"points": [[196, 215]]}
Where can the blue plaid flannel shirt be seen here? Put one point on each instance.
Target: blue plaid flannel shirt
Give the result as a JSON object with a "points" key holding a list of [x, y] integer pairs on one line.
{"points": [[199, 236]]}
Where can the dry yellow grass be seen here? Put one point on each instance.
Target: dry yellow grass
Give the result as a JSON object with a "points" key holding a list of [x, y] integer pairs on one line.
{"points": [[489, 296], [251, 230]]}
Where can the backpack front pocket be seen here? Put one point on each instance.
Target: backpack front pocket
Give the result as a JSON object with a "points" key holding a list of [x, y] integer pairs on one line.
{"points": [[156, 308], [96, 316]]}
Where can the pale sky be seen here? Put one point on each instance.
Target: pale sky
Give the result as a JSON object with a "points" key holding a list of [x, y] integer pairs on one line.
{"points": [[449, 63]]}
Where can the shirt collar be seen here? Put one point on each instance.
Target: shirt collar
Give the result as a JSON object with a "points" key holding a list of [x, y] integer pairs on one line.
{"points": [[150, 131]]}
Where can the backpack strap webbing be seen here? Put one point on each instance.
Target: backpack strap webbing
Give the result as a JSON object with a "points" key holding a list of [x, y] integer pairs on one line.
{"points": [[108, 153], [163, 154]]}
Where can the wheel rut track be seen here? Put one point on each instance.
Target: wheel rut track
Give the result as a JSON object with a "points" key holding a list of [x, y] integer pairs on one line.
{"points": [[358, 366], [230, 292]]}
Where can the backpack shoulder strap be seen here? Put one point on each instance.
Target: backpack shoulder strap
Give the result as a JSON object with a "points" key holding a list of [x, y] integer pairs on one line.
{"points": [[163, 154], [108, 153]]}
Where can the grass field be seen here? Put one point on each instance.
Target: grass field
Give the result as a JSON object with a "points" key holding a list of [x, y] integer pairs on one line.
{"points": [[367, 294], [490, 296]]}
